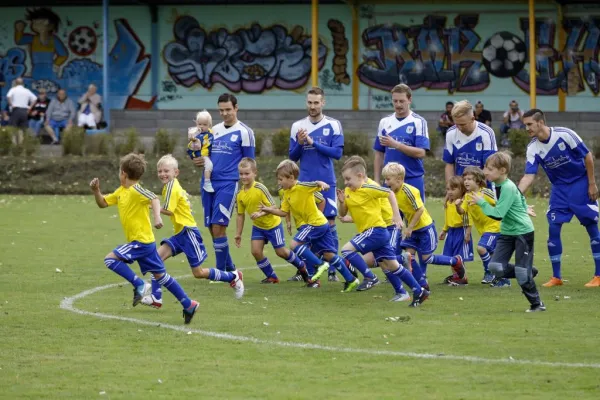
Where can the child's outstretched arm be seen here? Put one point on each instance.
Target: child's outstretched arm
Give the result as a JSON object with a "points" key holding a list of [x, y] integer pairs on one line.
{"points": [[156, 209], [342, 208], [272, 210], [95, 186]]}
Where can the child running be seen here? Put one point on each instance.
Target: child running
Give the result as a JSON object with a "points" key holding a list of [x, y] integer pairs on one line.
{"points": [[134, 202]]}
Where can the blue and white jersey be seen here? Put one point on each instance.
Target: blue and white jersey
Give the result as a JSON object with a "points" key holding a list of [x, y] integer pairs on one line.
{"points": [[411, 131], [229, 146], [469, 151], [562, 156], [316, 160]]}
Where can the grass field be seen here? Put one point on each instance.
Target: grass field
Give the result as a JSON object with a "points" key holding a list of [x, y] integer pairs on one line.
{"points": [[472, 342]]}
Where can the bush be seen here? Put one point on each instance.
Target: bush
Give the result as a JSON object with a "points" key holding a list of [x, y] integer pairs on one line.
{"points": [[259, 139], [128, 142], [357, 143], [436, 139], [73, 141], [164, 143], [596, 148], [30, 144], [6, 140], [519, 139], [281, 142], [97, 144]]}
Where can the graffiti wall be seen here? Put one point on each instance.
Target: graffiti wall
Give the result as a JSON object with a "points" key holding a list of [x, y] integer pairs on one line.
{"points": [[263, 54], [61, 47]]}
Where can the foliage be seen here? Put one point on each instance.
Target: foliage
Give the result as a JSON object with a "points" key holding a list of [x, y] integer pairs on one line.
{"points": [[259, 139], [7, 137], [435, 141], [72, 140], [281, 142], [519, 139], [596, 148], [357, 143], [164, 143], [128, 141], [31, 144], [98, 144]]}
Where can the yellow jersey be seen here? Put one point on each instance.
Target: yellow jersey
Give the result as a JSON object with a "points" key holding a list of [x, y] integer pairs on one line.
{"points": [[248, 201], [203, 146], [452, 219], [364, 205], [482, 222], [386, 208], [134, 212], [409, 202], [319, 198], [299, 202], [176, 200]]}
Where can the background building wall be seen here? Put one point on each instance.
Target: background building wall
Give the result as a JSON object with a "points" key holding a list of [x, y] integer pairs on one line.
{"points": [[262, 53]]}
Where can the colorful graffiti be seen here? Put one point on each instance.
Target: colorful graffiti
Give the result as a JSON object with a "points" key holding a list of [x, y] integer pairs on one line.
{"points": [[47, 63], [252, 59], [581, 50], [434, 56]]}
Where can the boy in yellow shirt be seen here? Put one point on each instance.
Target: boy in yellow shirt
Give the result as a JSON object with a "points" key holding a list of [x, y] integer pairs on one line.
{"points": [[488, 228], [133, 202], [457, 229], [314, 237], [419, 233], [363, 202], [266, 227], [187, 238]]}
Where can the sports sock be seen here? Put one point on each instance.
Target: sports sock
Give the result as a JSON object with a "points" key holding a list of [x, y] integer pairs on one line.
{"points": [[595, 243], [394, 280], [122, 269], [555, 249], [220, 276], [417, 272], [221, 252], [156, 289], [485, 259], [175, 288], [266, 268], [408, 279], [295, 261], [336, 243], [357, 262], [339, 265], [308, 256], [439, 259]]}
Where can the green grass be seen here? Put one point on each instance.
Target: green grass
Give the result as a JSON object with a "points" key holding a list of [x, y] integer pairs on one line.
{"points": [[47, 352]]}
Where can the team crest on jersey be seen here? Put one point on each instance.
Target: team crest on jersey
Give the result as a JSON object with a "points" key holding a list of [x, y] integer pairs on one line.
{"points": [[410, 129], [561, 146], [234, 138], [326, 132], [479, 146]]}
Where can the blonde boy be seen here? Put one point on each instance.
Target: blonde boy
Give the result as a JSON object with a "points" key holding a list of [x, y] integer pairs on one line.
{"points": [[200, 139], [265, 227], [133, 202], [187, 238]]}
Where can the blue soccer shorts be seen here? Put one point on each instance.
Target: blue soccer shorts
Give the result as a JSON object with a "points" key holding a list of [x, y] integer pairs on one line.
{"points": [[145, 254], [423, 240], [488, 241], [188, 242], [455, 245], [571, 200], [320, 238], [376, 241], [218, 206], [275, 236]]}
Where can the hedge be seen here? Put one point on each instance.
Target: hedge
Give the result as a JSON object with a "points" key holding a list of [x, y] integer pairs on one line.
{"points": [[71, 174]]}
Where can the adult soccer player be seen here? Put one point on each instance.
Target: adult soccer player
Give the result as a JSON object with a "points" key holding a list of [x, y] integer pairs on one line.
{"points": [[232, 141], [469, 143], [315, 141], [569, 166], [402, 137]]}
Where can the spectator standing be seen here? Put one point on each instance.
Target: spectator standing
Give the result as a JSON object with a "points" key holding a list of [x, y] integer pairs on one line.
{"points": [[60, 115], [20, 99], [482, 115]]}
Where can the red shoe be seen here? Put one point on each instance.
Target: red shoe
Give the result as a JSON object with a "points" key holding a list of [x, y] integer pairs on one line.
{"points": [[270, 280], [459, 267]]}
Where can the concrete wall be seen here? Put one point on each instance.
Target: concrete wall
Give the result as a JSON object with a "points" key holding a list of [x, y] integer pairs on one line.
{"points": [[192, 54], [586, 124]]}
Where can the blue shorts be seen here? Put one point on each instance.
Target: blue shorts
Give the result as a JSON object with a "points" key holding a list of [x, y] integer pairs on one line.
{"points": [[146, 256], [330, 210], [395, 238], [319, 238], [276, 235], [455, 244], [488, 241], [423, 240], [376, 241], [218, 206], [419, 183], [569, 200], [189, 242]]}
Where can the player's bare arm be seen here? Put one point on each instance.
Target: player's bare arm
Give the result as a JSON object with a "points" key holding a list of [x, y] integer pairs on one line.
{"points": [[239, 228], [156, 213], [95, 186], [378, 165], [342, 208], [525, 182], [272, 210]]}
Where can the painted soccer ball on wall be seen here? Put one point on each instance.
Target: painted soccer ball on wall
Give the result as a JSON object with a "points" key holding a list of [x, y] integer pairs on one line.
{"points": [[504, 54]]}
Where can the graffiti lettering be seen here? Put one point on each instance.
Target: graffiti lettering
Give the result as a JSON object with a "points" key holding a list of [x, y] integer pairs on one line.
{"points": [[382, 101], [580, 52], [251, 60], [428, 55], [327, 81]]}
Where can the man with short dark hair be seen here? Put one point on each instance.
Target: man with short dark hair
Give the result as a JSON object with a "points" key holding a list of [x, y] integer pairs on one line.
{"points": [[232, 141], [446, 120], [569, 166], [482, 115]]}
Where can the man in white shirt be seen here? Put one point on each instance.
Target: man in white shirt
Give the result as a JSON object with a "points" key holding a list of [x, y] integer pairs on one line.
{"points": [[20, 99]]}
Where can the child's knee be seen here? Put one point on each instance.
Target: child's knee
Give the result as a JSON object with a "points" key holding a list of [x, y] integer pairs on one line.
{"points": [[164, 251], [282, 252], [257, 254], [199, 272], [348, 247], [112, 256], [158, 275], [481, 250], [294, 245]]}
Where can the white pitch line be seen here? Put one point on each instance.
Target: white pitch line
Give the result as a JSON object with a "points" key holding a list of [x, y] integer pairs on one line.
{"points": [[68, 304]]}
